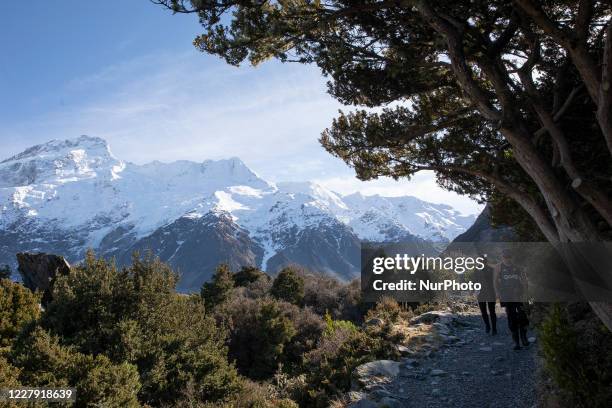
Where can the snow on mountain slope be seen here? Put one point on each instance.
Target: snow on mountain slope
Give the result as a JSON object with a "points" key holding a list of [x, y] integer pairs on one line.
{"points": [[75, 194]]}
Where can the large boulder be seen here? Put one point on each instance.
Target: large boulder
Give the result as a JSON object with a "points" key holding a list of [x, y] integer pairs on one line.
{"points": [[38, 271]]}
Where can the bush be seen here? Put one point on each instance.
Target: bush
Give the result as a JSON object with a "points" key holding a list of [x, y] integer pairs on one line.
{"points": [[330, 366], [9, 378], [387, 309], [577, 351], [259, 330], [135, 316], [219, 288], [247, 275], [288, 286], [43, 362], [18, 306]]}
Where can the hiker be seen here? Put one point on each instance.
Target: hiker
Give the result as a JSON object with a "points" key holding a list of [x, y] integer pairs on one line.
{"points": [[487, 299], [512, 285]]}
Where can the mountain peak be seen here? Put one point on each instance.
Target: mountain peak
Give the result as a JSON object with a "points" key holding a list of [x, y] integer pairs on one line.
{"points": [[60, 161], [57, 147]]}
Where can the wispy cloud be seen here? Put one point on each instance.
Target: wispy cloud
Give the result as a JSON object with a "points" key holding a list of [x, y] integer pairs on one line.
{"points": [[186, 106]]}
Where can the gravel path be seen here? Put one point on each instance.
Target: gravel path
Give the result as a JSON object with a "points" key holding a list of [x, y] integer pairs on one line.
{"points": [[479, 371]]}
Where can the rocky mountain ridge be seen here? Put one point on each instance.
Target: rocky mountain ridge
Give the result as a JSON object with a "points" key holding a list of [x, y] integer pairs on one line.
{"points": [[66, 196]]}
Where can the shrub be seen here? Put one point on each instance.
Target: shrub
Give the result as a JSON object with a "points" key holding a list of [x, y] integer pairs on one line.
{"points": [[329, 368], [135, 316], [218, 289], [322, 293], [577, 351], [387, 309], [43, 362], [288, 286], [247, 275], [18, 306], [259, 330]]}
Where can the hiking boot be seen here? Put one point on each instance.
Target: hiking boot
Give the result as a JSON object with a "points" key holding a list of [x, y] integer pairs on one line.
{"points": [[494, 332], [487, 329], [524, 337]]}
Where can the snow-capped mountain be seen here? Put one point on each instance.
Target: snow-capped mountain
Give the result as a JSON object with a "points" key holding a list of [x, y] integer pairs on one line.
{"points": [[67, 196]]}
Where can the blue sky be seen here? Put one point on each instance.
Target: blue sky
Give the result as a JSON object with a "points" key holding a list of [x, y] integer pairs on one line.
{"points": [[126, 71]]}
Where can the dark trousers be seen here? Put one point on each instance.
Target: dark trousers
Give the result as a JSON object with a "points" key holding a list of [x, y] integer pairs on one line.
{"points": [[517, 318], [490, 316]]}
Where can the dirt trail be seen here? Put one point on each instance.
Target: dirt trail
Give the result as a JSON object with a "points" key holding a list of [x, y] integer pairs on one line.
{"points": [[477, 370]]}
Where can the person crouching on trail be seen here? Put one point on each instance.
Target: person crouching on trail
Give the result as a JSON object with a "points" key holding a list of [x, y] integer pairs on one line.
{"points": [[487, 298], [512, 286]]}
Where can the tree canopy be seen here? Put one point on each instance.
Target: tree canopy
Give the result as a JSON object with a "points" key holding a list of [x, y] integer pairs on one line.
{"points": [[503, 100]]}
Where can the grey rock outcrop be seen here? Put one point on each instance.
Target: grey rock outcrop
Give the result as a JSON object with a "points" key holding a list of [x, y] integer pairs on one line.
{"points": [[38, 271]]}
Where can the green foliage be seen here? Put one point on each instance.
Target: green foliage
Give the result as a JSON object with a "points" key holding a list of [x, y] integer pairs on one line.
{"points": [[218, 289], [255, 395], [18, 306], [247, 275], [577, 351], [288, 286], [259, 332], [43, 362], [9, 374], [329, 368], [134, 316], [331, 326], [9, 378], [466, 116], [386, 309], [5, 272]]}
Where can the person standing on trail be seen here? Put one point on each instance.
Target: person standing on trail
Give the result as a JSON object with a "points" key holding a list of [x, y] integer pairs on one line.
{"points": [[512, 285], [487, 299]]}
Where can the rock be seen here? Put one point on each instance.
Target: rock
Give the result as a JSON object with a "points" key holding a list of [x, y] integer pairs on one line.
{"points": [[363, 403], [390, 402], [404, 350], [466, 373], [453, 339], [38, 271], [441, 316], [380, 393], [487, 348], [532, 339], [436, 372], [376, 372], [409, 362], [441, 328], [436, 391]]}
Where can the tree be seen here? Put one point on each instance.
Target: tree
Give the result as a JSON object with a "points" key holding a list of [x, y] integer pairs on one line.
{"points": [[288, 286], [218, 289], [498, 98], [247, 275], [18, 307], [259, 332]]}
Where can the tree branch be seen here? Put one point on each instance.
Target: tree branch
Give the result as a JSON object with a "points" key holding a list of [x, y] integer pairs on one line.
{"points": [[458, 61], [523, 199]]}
